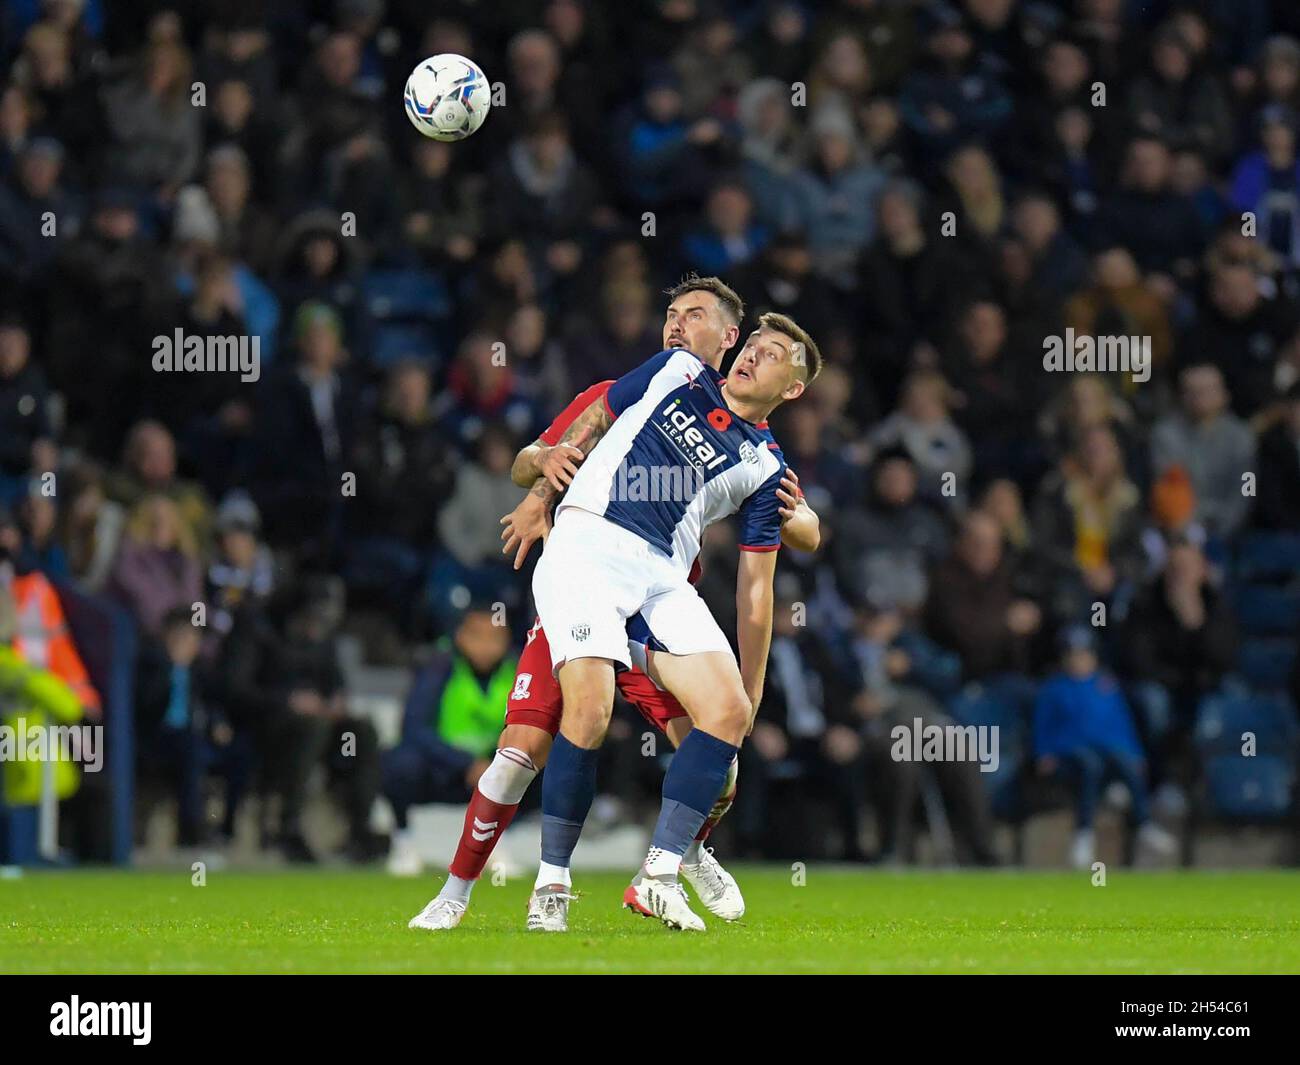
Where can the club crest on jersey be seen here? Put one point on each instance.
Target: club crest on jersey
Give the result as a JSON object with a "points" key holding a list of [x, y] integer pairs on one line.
{"points": [[680, 427], [580, 632], [748, 452], [523, 682]]}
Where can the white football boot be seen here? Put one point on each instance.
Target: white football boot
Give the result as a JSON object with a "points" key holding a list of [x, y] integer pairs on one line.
{"points": [[662, 897], [439, 916], [716, 887], [548, 908]]}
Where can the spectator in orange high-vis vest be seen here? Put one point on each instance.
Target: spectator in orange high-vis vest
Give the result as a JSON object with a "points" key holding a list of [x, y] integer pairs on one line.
{"points": [[44, 641]]}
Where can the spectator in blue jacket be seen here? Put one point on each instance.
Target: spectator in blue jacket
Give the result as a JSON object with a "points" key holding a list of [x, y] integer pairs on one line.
{"points": [[1267, 182], [454, 714], [1084, 733]]}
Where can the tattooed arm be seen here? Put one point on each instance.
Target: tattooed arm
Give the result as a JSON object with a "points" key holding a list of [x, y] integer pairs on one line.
{"points": [[531, 520]]}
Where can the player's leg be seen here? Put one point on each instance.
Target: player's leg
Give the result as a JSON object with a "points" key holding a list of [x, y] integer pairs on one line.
{"points": [[590, 579], [532, 719], [521, 754], [569, 787], [713, 885], [708, 685]]}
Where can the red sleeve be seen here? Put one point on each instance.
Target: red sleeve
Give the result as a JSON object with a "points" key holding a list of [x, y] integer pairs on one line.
{"points": [[566, 417]]}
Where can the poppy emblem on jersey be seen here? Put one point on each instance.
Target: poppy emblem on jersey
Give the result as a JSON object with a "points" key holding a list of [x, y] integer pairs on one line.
{"points": [[580, 632], [720, 419]]}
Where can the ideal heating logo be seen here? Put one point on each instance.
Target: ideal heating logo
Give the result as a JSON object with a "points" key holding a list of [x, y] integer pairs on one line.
{"points": [[682, 429], [133, 1019]]}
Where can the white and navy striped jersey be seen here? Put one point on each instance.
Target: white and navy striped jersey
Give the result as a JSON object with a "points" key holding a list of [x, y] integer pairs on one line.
{"points": [[677, 459]]}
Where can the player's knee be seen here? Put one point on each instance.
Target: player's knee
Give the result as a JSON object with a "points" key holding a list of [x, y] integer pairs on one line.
{"points": [[534, 742], [727, 716]]}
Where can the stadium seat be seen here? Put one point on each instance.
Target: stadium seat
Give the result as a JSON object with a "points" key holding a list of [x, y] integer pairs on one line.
{"points": [[1265, 610], [1249, 789], [392, 342], [1266, 556], [413, 295], [1222, 718], [1266, 662]]}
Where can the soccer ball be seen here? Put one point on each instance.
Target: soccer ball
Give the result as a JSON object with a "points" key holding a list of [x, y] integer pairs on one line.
{"points": [[447, 97]]}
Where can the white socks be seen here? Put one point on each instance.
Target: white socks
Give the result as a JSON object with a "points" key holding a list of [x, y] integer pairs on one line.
{"points": [[456, 889], [552, 874], [660, 862], [508, 777], [692, 855]]}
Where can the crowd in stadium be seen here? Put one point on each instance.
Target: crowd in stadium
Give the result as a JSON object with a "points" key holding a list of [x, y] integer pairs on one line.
{"points": [[1103, 564]]}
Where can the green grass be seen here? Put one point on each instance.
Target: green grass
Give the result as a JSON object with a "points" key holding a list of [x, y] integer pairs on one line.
{"points": [[840, 921]]}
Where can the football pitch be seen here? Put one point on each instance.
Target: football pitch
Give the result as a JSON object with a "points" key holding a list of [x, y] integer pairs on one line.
{"points": [[840, 920]]}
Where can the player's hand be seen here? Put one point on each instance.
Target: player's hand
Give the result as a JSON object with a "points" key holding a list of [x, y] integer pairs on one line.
{"points": [[559, 464], [524, 526], [789, 495]]}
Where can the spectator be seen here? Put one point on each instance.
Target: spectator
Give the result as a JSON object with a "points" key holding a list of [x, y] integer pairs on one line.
{"points": [[973, 607], [469, 525], [154, 131], [940, 451], [835, 197], [306, 424], [1088, 527], [157, 567], [287, 686], [183, 734], [1083, 733], [883, 551], [1215, 447], [42, 638], [26, 431], [949, 100], [1186, 108], [149, 468], [454, 714], [33, 209], [887, 701], [1266, 182], [730, 237], [89, 526], [1146, 216]]}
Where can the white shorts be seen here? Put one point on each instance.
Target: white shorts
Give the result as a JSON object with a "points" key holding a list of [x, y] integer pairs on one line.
{"points": [[594, 575]]}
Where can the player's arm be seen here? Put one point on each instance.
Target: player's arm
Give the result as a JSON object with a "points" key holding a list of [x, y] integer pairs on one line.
{"points": [[557, 464], [754, 598], [800, 526], [530, 521]]}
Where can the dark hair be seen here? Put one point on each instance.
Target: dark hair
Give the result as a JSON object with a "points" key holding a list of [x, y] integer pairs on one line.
{"points": [[812, 356], [731, 302]]}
